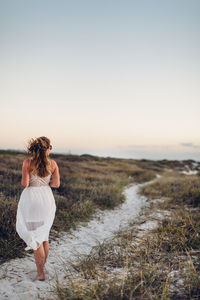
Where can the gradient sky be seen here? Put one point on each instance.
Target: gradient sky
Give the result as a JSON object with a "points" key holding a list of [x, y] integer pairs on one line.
{"points": [[118, 78]]}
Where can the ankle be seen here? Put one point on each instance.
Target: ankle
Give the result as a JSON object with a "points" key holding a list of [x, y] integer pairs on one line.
{"points": [[40, 273], [40, 270]]}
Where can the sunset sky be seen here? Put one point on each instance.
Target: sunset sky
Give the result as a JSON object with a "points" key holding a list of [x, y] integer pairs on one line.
{"points": [[110, 78]]}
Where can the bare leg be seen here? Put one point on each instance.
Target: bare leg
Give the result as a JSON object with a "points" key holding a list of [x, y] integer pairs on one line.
{"points": [[40, 261], [46, 249]]}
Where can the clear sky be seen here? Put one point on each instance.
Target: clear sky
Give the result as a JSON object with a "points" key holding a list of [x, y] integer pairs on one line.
{"points": [[112, 78]]}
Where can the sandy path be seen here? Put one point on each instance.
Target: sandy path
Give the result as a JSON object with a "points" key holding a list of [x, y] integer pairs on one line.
{"points": [[16, 276]]}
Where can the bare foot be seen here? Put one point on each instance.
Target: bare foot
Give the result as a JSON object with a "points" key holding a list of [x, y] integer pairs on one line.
{"points": [[40, 277]]}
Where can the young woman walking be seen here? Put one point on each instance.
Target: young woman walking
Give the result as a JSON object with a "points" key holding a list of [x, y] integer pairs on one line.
{"points": [[36, 207]]}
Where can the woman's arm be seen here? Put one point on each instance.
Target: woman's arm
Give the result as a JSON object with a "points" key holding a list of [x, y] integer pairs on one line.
{"points": [[25, 173], [55, 180]]}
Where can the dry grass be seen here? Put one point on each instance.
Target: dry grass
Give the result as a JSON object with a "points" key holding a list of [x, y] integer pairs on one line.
{"points": [[87, 183], [162, 263], [182, 189]]}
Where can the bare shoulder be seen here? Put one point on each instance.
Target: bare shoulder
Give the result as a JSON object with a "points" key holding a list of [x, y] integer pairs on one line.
{"points": [[26, 162], [53, 162]]}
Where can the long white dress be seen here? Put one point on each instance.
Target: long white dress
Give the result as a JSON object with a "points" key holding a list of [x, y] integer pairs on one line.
{"points": [[35, 212]]}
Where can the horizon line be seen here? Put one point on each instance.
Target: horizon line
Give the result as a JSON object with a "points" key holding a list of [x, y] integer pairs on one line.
{"points": [[94, 155]]}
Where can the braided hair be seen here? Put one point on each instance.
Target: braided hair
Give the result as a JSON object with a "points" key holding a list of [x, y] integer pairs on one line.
{"points": [[40, 163]]}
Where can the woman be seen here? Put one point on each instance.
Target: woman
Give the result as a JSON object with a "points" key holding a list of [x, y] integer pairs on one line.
{"points": [[36, 207]]}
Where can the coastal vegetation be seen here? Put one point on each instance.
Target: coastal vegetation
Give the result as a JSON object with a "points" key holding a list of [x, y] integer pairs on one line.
{"points": [[145, 261], [155, 257], [87, 183]]}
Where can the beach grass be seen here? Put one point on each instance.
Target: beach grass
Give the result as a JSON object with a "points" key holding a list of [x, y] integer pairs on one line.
{"points": [[88, 183], [156, 263]]}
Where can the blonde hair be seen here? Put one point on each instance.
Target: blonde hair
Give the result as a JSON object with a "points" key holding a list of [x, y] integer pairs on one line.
{"points": [[40, 163]]}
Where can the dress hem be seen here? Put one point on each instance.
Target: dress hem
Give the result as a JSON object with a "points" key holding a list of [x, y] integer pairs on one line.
{"points": [[33, 248]]}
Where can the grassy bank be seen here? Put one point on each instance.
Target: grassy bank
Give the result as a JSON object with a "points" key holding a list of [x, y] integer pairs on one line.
{"points": [[160, 263], [179, 188], [87, 183]]}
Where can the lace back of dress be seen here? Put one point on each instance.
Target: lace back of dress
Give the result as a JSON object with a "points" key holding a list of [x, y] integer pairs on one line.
{"points": [[36, 180]]}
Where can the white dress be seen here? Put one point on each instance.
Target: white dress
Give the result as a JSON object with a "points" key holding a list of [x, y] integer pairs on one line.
{"points": [[35, 212]]}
